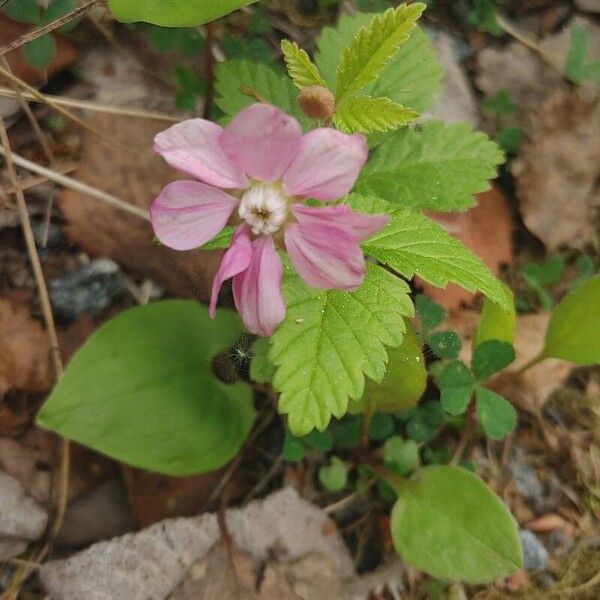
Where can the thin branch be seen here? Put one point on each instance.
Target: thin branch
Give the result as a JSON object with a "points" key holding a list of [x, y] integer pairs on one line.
{"points": [[33, 182], [93, 106], [52, 26], [78, 186]]}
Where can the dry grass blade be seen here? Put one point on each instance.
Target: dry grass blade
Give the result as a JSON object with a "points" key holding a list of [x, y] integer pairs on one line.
{"points": [[52, 26]]}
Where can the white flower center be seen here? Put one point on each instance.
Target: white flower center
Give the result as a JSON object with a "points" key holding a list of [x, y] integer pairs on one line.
{"points": [[264, 207]]}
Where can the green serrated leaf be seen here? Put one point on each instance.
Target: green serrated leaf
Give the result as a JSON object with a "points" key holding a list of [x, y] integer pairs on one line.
{"points": [[233, 77], [334, 477], [411, 78], [330, 340], [142, 391], [497, 323], [373, 47], [445, 344], [496, 414], [457, 386], [439, 167], [574, 328], [449, 523], [490, 357], [173, 13], [40, 52], [261, 368], [360, 114], [412, 244], [301, 69]]}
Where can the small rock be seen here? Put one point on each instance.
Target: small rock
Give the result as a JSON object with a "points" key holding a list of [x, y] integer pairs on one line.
{"points": [[535, 555], [89, 289], [527, 481]]}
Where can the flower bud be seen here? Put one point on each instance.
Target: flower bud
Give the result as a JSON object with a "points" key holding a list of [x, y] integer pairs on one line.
{"points": [[316, 102]]}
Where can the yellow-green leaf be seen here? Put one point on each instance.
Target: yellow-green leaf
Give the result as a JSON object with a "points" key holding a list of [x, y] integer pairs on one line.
{"points": [[302, 70], [360, 114]]}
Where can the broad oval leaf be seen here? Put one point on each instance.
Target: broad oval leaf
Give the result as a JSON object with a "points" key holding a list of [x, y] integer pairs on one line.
{"points": [[497, 322], [574, 328], [449, 523], [142, 391], [173, 13]]}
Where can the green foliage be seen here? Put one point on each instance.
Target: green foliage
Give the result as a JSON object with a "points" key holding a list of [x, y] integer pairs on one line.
{"points": [[381, 426], [404, 382], [578, 66], [500, 104], [509, 139], [321, 441], [439, 167], [445, 344], [402, 455], [483, 16], [539, 276], [496, 322], [40, 52], [346, 433], [173, 13], [412, 244], [23, 11], [222, 240], [261, 368], [334, 477], [360, 114], [330, 340], [496, 414], [424, 421], [373, 47], [301, 69], [254, 49], [574, 328], [164, 409], [457, 386], [448, 523], [430, 313], [293, 449], [187, 41], [412, 77], [237, 79], [189, 88], [490, 357]]}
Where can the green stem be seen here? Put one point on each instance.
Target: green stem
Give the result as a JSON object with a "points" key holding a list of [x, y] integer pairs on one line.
{"points": [[534, 361]]}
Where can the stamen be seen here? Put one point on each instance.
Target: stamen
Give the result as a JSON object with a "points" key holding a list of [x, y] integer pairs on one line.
{"points": [[264, 207]]}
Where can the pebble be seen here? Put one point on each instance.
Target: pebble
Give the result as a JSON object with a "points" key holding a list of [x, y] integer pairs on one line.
{"points": [[88, 289], [527, 482], [535, 555]]}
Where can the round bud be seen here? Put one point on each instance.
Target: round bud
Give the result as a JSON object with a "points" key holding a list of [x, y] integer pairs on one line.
{"points": [[316, 102]]}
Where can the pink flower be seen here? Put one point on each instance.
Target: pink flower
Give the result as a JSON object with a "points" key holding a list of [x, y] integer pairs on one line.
{"points": [[269, 166]]}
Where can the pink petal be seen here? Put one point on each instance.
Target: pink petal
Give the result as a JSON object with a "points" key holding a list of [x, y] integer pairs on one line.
{"points": [[257, 290], [193, 147], [325, 256], [360, 226], [188, 214], [262, 141], [235, 260], [327, 164]]}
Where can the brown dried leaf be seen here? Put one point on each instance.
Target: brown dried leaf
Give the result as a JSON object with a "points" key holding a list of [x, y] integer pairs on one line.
{"points": [[487, 231]]}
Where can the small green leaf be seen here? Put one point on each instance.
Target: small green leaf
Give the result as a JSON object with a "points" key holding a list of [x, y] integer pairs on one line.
{"points": [[491, 357], [404, 382], [293, 450], [57, 9], [430, 313], [425, 422], [222, 240], [360, 114], [236, 79], [381, 426], [41, 52], [445, 344], [497, 323], [142, 391], [346, 433], [509, 139], [173, 13], [374, 46], [321, 441], [412, 244], [574, 330], [439, 167], [23, 11], [261, 368], [301, 69], [457, 386], [575, 64], [330, 340], [334, 477], [448, 523], [402, 454], [496, 414], [500, 103]]}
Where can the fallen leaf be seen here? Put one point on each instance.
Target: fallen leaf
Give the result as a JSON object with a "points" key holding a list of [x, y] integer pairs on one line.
{"points": [[154, 562], [24, 351], [487, 231], [558, 170]]}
